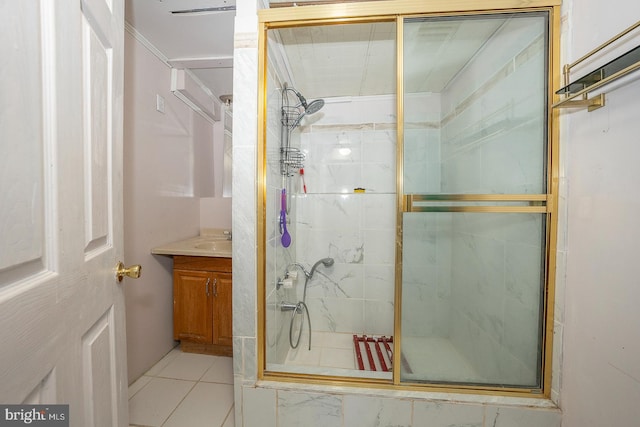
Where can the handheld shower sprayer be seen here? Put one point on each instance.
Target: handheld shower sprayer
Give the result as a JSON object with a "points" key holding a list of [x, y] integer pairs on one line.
{"points": [[327, 262], [301, 306]]}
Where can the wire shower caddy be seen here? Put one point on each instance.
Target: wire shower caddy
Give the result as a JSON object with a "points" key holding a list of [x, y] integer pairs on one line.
{"points": [[291, 158]]}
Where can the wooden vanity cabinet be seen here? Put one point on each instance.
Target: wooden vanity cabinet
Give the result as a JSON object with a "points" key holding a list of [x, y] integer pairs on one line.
{"points": [[202, 289]]}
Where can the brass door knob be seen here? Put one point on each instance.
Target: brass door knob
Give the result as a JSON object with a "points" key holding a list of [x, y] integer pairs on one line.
{"points": [[133, 271]]}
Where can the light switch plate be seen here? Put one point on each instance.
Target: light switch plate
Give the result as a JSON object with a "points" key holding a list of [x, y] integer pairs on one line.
{"points": [[159, 103]]}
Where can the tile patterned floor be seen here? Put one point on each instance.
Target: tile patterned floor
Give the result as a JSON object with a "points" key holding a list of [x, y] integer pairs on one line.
{"points": [[184, 390]]}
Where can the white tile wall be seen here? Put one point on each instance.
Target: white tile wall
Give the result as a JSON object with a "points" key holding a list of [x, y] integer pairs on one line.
{"points": [[297, 408], [376, 411], [434, 414], [357, 230]]}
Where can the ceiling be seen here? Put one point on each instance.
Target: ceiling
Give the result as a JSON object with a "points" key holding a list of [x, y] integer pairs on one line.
{"points": [[200, 41], [359, 59], [322, 61]]}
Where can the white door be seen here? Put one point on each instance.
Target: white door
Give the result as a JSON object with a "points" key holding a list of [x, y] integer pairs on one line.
{"points": [[62, 332]]}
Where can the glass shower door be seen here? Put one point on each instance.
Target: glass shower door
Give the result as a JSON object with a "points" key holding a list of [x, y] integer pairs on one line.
{"points": [[475, 215]]}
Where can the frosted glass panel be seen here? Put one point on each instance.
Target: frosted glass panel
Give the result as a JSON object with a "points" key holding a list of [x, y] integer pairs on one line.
{"points": [[474, 124], [472, 292], [475, 104]]}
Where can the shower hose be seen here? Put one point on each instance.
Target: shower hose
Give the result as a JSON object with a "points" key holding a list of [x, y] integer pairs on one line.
{"points": [[300, 306]]}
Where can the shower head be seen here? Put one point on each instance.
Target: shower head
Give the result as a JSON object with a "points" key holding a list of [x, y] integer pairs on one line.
{"points": [[314, 107]]}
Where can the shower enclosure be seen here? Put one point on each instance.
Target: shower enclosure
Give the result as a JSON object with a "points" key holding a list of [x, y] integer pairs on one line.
{"points": [[407, 206]]}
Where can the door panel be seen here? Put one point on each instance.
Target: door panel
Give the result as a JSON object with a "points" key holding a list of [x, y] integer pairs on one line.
{"points": [[23, 241], [98, 356], [192, 314], [474, 222], [61, 309], [222, 317], [95, 69]]}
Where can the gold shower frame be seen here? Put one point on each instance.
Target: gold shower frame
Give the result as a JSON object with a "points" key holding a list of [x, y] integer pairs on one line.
{"points": [[397, 10]]}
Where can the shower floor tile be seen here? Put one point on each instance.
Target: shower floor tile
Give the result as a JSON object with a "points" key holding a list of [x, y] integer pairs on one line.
{"points": [[335, 340], [328, 349], [303, 356], [332, 353], [338, 358], [436, 358]]}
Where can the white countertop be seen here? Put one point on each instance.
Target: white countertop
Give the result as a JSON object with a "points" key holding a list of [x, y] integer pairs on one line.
{"points": [[211, 243]]}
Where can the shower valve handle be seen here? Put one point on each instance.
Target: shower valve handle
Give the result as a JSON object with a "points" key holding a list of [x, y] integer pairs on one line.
{"points": [[288, 306]]}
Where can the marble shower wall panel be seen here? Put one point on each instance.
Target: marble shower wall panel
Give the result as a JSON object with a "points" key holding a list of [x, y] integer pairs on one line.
{"points": [[340, 407], [299, 408], [350, 143]]}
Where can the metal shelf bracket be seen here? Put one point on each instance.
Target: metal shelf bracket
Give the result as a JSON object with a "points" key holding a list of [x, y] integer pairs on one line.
{"points": [[607, 73]]}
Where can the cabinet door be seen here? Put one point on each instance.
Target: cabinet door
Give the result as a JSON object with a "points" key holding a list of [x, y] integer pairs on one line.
{"points": [[222, 326], [192, 314]]}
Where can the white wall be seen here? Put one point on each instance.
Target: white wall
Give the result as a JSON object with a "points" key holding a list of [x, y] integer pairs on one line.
{"points": [[601, 369], [167, 168], [215, 211]]}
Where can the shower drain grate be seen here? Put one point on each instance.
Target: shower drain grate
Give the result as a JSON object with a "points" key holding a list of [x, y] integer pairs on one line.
{"points": [[378, 345]]}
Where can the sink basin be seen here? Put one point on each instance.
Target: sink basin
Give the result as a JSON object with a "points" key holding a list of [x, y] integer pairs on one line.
{"points": [[216, 246]]}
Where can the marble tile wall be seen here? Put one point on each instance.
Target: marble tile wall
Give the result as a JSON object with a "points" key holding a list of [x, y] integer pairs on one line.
{"points": [[291, 408], [350, 143]]}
